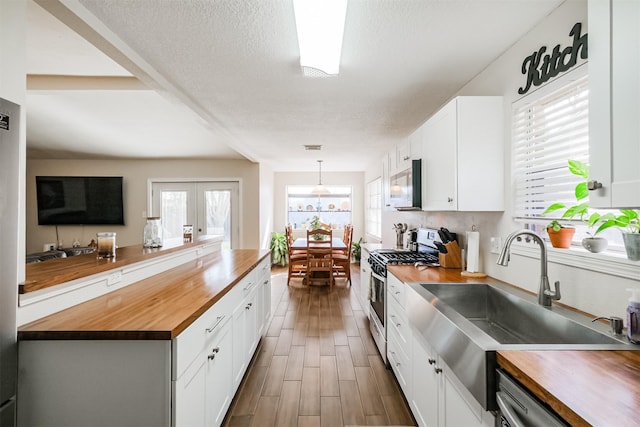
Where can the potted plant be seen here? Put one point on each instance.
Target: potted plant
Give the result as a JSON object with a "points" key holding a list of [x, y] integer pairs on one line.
{"points": [[629, 224], [561, 235], [278, 248], [356, 251]]}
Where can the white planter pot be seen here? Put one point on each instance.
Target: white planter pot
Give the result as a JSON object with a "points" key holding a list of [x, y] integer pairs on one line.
{"points": [[595, 244], [632, 245]]}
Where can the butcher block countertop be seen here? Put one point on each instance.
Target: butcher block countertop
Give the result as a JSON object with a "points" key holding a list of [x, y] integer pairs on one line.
{"points": [[41, 275], [598, 388], [156, 308]]}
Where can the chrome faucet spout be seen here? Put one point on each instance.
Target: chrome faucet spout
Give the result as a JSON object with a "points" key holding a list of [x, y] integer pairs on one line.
{"points": [[545, 294]]}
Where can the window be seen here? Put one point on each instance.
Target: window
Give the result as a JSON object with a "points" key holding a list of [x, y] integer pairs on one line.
{"points": [[333, 208], [374, 208], [550, 127]]}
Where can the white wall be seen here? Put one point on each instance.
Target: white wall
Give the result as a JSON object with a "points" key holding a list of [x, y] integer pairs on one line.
{"points": [[593, 292], [266, 205], [136, 174], [355, 179]]}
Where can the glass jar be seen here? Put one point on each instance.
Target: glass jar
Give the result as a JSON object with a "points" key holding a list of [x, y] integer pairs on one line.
{"points": [[152, 237], [106, 244]]}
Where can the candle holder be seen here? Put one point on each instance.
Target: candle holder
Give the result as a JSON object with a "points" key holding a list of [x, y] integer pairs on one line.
{"points": [[106, 245]]}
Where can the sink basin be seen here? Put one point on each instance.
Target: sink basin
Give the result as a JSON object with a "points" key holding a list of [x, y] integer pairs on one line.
{"points": [[466, 324], [510, 319]]}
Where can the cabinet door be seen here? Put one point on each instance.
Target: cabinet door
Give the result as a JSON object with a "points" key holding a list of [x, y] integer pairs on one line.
{"points": [[625, 106], [439, 161], [614, 102], [365, 282], [415, 144], [386, 182], [219, 377], [457, 406], [424, 402], [239, 343], [190, 403], [251, 325], [266, 301], [403, 156]]}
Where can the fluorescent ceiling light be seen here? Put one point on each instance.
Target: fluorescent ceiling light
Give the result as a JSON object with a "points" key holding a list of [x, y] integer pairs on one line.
{"points": [[320, 26]]}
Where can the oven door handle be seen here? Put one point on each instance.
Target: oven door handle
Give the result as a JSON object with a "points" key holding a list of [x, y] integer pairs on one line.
{"points": [[380, 278], [512, 418]]}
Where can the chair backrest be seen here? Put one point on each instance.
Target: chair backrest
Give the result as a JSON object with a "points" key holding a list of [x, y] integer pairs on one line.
{"points": [[289, 234], [348, 234], [318, 248]]}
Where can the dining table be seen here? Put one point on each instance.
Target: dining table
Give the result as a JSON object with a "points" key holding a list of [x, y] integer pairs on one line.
{"points": [[301, 243]]}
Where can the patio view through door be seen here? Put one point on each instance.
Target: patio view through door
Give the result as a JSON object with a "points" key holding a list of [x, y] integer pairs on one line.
{"points": [[210, 206]]}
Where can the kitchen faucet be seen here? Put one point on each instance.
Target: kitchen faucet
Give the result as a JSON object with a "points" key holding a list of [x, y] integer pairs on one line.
{"points": [[545, 294]]}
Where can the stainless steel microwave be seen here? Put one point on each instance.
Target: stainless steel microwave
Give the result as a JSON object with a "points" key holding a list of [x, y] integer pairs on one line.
{"points": [[405, 188]]}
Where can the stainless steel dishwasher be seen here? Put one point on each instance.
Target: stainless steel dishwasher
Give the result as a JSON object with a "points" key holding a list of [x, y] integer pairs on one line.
{"points": [[519, 408]]}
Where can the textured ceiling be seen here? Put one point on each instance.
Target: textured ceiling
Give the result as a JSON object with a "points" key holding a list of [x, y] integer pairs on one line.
{"points": [[235, 65]]}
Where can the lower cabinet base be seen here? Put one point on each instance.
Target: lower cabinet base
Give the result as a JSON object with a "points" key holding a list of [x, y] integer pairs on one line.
{"points": [[94, 383]]}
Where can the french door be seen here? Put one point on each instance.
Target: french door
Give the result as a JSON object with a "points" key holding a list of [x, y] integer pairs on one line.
{"points": [[212, 207]]}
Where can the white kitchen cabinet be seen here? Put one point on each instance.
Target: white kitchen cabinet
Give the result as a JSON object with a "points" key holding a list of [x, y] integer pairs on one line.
{"points": [[463, 156], [365, 281], [219, 390], [438, 398], [614, 102], [398, 334]]}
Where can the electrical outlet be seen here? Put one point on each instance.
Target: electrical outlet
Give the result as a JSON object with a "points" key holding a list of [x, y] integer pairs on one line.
{"points": [[114, 278], [496, 245]]}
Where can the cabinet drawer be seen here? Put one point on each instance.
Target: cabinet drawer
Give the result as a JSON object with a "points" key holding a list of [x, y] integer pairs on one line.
{"points": [[398, 323], [399, 362], [396, 289], [187, 345]]}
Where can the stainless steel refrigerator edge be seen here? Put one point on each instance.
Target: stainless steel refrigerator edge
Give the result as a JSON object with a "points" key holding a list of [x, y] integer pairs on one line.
{"points": [[9, 211]]}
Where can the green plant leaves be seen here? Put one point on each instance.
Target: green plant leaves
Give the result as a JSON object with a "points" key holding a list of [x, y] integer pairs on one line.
{"points": [[578, 168]]}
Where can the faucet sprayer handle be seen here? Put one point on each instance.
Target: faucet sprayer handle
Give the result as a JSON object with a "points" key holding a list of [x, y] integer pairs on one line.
{"points": [[614, 322]]}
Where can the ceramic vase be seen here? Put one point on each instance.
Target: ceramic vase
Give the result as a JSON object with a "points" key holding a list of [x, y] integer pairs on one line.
{"points": [[595, 244], [632, 245]]}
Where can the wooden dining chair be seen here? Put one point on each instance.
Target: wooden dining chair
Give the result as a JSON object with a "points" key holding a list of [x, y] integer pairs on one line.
{"points": [[320, 257], [342, 258], [297, 258]]}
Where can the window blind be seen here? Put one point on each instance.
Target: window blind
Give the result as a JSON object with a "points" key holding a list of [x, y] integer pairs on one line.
{"points": [[546, 133]]}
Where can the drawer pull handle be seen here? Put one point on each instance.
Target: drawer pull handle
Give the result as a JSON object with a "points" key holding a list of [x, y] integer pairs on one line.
{"points": [[438, 370], [215, 325], [248, 306], [266, 282], [213, 353], [397, 292], [431, 360]]}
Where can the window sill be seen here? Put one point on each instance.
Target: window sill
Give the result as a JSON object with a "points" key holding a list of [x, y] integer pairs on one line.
{"points": [[607, 263]]}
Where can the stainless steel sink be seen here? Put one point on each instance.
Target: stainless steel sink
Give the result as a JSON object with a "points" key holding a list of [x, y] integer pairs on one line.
{"points": [[467, 323], [509, 319]]}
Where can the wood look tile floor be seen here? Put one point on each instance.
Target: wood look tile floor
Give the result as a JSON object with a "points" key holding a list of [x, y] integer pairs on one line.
{"points": [[318, 365]]}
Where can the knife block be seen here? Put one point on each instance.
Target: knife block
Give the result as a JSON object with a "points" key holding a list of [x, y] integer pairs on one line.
{"points": [[453, 257]]}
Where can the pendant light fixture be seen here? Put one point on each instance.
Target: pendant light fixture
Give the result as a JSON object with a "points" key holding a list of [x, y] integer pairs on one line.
{"points": [[320, 189]]}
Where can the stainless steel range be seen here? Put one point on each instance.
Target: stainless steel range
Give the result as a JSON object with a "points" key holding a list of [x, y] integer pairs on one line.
{"points": [[427, 254]]}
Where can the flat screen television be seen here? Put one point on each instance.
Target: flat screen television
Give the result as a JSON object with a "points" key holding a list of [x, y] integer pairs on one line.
{"points": [[79, 200]]}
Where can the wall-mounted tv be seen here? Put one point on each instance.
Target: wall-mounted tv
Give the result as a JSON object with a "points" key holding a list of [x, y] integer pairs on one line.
{"points": [[79, 200]]}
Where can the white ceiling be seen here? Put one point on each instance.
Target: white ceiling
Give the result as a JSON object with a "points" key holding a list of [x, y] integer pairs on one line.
{"points": [[221, 78]]}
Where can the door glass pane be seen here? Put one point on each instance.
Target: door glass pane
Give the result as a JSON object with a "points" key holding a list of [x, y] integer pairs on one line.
{"points": [[173, 214], [218, 211]]}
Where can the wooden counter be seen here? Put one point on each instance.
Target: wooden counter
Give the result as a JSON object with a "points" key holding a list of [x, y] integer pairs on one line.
{"points": [[159, 307], [409, 273], [41, 275], [599, 388]]}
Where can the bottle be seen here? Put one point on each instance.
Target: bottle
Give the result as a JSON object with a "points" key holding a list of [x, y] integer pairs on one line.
{"points": [[633, 316], [152, 237]]}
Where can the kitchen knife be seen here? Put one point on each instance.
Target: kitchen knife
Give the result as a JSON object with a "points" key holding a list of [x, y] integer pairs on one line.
{"points": [[447, 234], [442, 248], [443, 237]]}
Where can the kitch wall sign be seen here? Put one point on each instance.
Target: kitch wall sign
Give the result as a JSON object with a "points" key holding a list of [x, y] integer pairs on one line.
{"points": [[540, 67]]}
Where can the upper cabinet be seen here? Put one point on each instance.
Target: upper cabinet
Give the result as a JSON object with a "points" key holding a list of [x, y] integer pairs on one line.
{"points": [[614, 102], [463, 156]]}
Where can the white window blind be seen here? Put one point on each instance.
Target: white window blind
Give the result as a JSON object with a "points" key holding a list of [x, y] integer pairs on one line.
{"points": [[546, 133]]}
